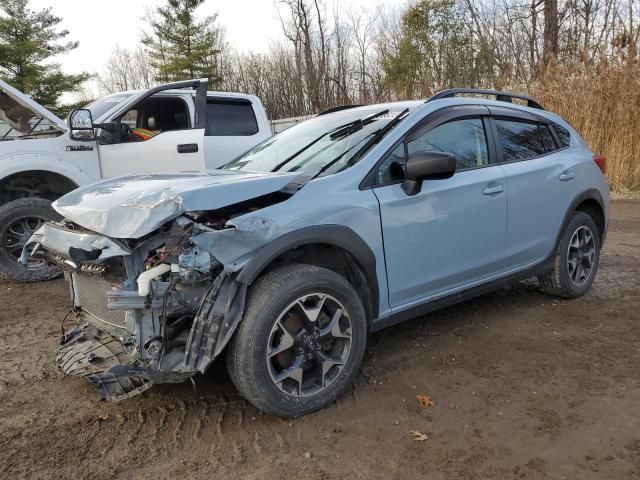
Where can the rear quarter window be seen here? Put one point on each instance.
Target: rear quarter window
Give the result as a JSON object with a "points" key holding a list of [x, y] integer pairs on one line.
{"points": [[228, 118], [563, 135]]}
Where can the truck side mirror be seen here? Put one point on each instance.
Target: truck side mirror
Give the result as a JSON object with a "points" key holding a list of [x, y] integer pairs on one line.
{"points": [[81, 125], [427, 166]]}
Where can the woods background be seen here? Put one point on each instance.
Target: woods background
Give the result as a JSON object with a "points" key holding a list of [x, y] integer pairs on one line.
{"points": [[578, 57]]}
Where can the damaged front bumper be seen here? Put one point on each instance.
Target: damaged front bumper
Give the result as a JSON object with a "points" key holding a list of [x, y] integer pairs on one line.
{"points": [[140, 323]]}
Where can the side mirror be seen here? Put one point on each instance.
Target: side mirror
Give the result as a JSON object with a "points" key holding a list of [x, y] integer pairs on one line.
{"points": [[81, 125], [427, 166]]}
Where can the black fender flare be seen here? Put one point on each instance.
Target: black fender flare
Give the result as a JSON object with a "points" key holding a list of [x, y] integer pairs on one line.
{"points": [[335, 235], [591, 194], [223, 305]]}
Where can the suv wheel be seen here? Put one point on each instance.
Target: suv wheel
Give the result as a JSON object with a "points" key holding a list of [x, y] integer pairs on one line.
{"points": [[18, 220], [301, 341], [576, 261]]}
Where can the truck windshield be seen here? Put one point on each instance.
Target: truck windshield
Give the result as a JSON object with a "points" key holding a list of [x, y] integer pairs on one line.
{"points": [[307, 147], [102, 106], [18, 121]]}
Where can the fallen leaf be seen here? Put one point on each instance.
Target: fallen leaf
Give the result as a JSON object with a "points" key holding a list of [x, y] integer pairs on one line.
{"points": [[418, 436], [425, 401]]}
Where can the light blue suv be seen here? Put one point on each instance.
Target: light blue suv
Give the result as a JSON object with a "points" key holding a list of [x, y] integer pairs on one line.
{"points": [[288, 256]]}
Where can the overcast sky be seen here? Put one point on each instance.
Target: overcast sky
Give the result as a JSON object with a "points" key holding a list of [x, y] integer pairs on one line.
{"points": [[101, 25]]}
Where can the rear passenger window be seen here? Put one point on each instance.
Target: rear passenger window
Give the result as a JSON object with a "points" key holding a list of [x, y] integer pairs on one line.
{"points": [[522, 140], [230, 118], [563, 135]]}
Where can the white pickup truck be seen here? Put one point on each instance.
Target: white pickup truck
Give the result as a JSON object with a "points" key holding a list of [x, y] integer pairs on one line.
{"points": [[174, 127]]}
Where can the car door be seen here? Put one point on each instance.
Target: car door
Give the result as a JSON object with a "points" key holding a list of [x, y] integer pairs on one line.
{"points": [[540, 183], [232, 129], [452, 234], [168, 136]]}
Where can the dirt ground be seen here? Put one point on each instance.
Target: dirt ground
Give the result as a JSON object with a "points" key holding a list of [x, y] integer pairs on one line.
{"points": [[525, 386]]}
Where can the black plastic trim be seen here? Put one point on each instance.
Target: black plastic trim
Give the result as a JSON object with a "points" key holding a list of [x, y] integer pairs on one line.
{"points": [[500, 95], [452, 299], [591, 194], [336, 235], [338, 109]]}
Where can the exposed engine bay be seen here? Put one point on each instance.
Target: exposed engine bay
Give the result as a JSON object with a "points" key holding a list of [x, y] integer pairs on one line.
{"points": [[157, 309]]}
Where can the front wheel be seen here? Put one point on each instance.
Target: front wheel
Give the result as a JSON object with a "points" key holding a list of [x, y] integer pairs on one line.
{"points": [[19, 219], [576, 260], [301, 341]]}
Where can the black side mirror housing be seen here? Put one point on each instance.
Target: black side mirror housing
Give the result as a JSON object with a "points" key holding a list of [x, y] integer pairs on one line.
{"points": [[81, 125], [427, 166]]}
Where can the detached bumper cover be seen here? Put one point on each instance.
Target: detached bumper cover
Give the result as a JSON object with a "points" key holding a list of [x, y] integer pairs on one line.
{"points": [[78, 245], [96, 355]]}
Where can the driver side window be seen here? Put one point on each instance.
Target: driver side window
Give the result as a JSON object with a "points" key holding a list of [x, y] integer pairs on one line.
{"points": [[151, 117], [464, 138]]}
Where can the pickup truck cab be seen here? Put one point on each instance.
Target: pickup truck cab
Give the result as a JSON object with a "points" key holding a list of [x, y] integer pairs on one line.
{"points": [[169, 128]]}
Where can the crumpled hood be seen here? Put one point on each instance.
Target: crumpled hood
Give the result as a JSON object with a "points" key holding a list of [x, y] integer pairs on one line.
{"points": [[134, 205]]}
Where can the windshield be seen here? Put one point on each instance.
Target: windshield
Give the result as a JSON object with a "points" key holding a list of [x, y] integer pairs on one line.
{"points": [[320, 146], [102, 106], [18, 121]]}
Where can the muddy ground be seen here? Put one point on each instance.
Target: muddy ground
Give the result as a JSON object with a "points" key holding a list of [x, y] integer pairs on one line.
{"points": [[525, 386]]}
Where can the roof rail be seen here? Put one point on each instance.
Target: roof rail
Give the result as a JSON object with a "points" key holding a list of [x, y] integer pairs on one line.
{"points": [[500, 96]]}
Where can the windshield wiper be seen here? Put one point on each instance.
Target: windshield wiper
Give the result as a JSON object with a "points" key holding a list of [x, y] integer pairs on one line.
{"points": [[357, 125], [340, 131], [377, 136], [327, 166]]}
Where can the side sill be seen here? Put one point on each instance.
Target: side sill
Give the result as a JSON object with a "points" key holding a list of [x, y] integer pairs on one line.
{"points": [[430, 306]]}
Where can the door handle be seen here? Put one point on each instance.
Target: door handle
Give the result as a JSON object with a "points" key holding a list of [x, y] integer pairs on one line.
{"points": [[566, 176], [493, 189], [188, 148]]}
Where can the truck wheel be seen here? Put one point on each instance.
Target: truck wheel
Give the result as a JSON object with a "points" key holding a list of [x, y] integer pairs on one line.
{"points": [[18, 220], [576, 261], [300, 342]]}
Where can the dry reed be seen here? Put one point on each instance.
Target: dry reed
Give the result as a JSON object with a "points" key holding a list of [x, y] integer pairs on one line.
{"points": [[603, 104]]}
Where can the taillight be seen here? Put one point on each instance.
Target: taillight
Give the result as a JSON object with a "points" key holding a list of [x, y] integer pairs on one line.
{"points": [[602, 163]]}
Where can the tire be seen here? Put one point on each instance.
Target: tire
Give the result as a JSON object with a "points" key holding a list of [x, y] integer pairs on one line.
{"points": [[563, 280], [18, 217], [272, 305]]}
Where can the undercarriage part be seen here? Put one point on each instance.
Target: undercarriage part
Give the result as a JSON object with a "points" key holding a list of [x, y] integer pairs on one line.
{"points": [[101, 358], [217, 318], [91, 353]]}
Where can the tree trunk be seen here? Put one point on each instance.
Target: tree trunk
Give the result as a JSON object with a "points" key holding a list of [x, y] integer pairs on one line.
{"points": [[550, 49]]}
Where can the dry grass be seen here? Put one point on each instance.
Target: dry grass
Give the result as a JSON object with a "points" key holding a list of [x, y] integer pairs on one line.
{"points": [[603, 104]]}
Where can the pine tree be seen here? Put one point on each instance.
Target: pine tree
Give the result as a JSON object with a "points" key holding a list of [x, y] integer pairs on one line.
{"points": [[182, 47], [28, 41]]}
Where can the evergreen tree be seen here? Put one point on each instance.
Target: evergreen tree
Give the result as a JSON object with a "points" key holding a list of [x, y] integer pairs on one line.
{"points": [[28, 41], [181, 46]]}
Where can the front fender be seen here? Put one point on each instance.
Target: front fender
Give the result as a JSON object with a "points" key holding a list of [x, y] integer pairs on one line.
{"points": [[15, 163]]}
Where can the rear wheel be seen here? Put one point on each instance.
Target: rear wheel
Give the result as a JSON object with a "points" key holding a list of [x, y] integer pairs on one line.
{"points": [[19, 219], [301, 341], [576, 261]]}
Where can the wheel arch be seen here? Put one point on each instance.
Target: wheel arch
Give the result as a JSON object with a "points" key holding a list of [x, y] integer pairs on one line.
{"points": [[336, 247], [54, 182], [591, 203]]}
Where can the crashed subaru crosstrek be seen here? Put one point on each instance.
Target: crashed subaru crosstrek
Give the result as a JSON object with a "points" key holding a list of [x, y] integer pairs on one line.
{"points": [[287, 257]]}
